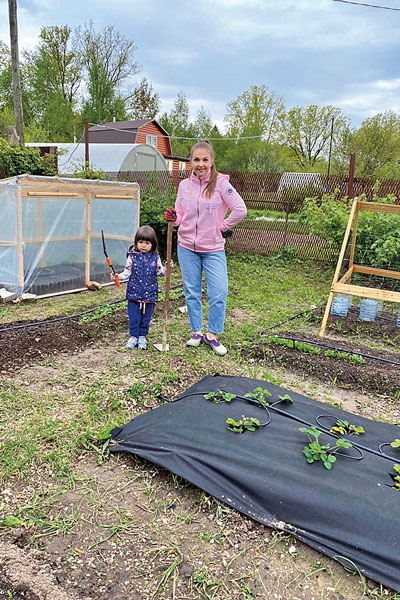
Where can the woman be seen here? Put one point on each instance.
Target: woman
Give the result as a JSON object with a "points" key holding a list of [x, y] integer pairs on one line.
{"points": [[201, 205]]}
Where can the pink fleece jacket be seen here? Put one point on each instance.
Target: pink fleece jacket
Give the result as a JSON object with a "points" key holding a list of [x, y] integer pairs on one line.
{"points": [[201, 219]]}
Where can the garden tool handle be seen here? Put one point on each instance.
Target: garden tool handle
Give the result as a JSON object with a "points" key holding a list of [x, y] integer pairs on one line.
{"points": [[113, 273], [167, 279], [112, 270]]}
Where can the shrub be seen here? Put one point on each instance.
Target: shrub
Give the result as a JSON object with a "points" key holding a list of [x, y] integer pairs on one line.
{"points": [[155, 198], [17, 160], [378, 234], [88, 172]]}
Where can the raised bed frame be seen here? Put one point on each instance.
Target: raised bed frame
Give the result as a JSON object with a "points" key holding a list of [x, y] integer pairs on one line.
{"points": [[343, 285]]}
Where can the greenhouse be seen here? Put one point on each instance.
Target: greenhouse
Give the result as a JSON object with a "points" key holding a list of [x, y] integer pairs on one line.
{"points": [[50, 232], [110, 158]]}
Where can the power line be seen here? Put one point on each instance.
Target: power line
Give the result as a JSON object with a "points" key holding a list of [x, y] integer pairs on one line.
{"points": [[176, 137], [365, 4]]}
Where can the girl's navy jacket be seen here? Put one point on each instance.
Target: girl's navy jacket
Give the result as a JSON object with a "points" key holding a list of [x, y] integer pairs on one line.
{"points": [[142, 285]]}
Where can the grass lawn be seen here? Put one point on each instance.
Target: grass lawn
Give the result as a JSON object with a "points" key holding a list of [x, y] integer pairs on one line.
{"points": [[118, 527]]}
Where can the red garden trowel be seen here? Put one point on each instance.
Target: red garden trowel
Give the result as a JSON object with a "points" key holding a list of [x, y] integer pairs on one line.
{"points": [[117, 282]]}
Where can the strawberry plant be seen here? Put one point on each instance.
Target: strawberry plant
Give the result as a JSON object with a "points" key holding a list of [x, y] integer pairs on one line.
{"points": [[344, 428], [259, 395], [219, 396], [396, 478], [314, 451], [245, 424]]}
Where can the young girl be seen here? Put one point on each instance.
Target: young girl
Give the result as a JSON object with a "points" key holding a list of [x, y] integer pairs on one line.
{"points": [[142, 268], [201, 205]]}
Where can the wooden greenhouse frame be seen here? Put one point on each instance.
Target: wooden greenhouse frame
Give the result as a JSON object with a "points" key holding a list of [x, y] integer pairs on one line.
{"points": [[343, 285], [51, 187]]}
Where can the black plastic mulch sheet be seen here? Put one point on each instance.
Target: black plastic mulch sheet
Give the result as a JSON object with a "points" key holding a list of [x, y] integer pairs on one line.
{"points": [[351, 513]]}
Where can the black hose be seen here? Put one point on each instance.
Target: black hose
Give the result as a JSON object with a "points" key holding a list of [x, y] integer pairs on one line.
{"points": [[74, 316], [339, 349], [49, 321], [324, 429]]}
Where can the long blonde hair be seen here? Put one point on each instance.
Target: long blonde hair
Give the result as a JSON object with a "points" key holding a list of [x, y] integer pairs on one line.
{"points": [[205, 145]]}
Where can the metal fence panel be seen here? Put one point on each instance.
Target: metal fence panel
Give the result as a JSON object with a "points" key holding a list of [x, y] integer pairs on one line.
{"points": [[280, 196]]}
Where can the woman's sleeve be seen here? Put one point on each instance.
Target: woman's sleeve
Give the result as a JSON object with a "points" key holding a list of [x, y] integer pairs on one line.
{"points": [[179, 206], [235, 203]]}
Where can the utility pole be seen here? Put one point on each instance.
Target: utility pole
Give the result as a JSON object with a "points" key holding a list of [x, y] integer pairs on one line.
{"points": [[12, 14], [330, 148]]}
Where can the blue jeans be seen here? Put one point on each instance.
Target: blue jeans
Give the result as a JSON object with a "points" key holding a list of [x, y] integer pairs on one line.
{"points": [[214, 266], [139, 321]]}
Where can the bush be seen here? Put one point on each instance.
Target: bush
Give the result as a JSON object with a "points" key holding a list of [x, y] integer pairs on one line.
{"points": [[155, 198], [378, 234], [17, 160], [88, 172]]}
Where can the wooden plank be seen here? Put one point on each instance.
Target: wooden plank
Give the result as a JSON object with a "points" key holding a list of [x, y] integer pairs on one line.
{"points": [[20, 251], [39, 223], [66, 238], [48, 194], [377, 272], [75, 291], [326, 314], [346, 276], [84, 289], [110, 236], [364, 292], [116, 197], [87, 243], [345, 240], [381, 208]]}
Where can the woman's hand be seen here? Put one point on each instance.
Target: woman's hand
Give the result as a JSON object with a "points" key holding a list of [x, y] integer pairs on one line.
{"points": [[170, 214]]}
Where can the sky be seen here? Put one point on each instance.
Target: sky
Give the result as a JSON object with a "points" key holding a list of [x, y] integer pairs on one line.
{"points": [[322, 52]]}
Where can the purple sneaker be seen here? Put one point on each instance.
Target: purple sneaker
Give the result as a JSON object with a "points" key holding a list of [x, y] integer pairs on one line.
{"points": [[195, 340], [215, 345]]}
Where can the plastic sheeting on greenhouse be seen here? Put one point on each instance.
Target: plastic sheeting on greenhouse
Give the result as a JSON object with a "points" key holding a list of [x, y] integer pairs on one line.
{"points": [[110, 158], [50, 231], [350, 512]]}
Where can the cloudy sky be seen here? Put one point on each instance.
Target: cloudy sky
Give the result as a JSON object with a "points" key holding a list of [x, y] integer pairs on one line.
{"points": [[308, 51]]}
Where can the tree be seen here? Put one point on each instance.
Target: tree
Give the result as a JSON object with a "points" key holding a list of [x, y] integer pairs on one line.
{"points": [[307, 131], [142, 102], [176, 123], [109, 60], [255, 117], [256, 112], [203, 124], [377, 146], [53, 74]]}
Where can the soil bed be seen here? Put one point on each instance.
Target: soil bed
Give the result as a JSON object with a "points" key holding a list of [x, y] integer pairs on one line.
{"points": [[372, 375]]}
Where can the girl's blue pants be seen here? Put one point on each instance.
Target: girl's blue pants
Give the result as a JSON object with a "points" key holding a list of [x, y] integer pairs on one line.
{"points": [[139, 321]]}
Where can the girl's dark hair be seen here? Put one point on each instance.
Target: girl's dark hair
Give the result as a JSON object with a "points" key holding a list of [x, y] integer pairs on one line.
{"points": [[205, 145], [146, 234]]}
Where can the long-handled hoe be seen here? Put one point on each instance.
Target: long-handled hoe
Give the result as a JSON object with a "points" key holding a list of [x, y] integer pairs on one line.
{"points": [[164, 346]]}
